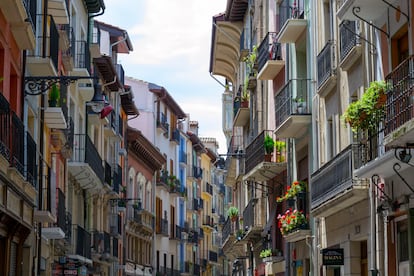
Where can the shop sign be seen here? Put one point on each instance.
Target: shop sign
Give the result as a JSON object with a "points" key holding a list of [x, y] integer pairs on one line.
{"points": [[333, 256]]}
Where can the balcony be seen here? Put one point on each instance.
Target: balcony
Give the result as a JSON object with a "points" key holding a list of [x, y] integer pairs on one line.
{"points": [[225, 43], [162, 123], [197, 172], [161, 227], [207, 190], [175, 136], [256, 166], [231, 248], [292, 109], [254, 218], [56, 230], [110, 126], [399, 116], [12, 146], [46, 211], [291, 21], [269, 58], [59, 11], [350, 45], [234, 157], [241, 113], [208, 221], [80, 245], [326, 69], [43, 61], [183, 157], [369, 10], [56, 113], [81, 67], [21, 14], [140, 221], [86, 164], [333, 187]]}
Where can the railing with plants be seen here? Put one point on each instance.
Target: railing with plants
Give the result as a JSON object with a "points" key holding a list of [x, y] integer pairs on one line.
{"points": [[256, 151], [291, 99]]}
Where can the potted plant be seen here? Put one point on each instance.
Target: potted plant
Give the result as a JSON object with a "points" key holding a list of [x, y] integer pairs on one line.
{"points": [[54, 96], [300, 105], [280, 146], [245, 96], [251, 61], [366, 113], [121, 205], [269, 147], [291, 221], [265, 253], [233, 213]]}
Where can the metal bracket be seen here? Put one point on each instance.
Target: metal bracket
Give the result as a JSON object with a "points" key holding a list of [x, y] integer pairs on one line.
{"points": [[356, 10], [34, 86], [399, 10]]}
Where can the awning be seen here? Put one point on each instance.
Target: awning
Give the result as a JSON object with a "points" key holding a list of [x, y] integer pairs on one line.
{"points": [[270, 222]]}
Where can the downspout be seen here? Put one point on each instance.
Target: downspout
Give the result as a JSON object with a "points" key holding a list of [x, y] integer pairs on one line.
{"points": [[41, 142]]}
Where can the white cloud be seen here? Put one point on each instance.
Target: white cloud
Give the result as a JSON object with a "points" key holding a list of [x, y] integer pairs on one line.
{"points": [[171, 40]]}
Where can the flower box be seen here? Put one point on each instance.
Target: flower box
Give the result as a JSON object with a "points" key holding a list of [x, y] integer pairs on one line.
{"points": [[297, 235]]}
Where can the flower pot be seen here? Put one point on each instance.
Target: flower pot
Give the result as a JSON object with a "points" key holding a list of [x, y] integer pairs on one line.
{"points": [[244, 104], [268, 157]]}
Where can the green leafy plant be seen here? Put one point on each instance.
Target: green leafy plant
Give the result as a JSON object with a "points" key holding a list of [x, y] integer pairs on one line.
{"points": [[251, 60], [366, 113], [233, 212], [265, 253], [293, 190], [269, 144], [54, 96]]}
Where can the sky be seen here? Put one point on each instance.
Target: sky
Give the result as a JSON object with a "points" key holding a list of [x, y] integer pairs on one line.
{"points": [[171, 47]]}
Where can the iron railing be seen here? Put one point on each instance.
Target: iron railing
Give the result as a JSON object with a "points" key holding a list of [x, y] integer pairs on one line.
{"points": [[82, 55], [326, 65], [348, 38], [83, 242], [121, 74], [48, 41], [287, 11], [291, 99], [400, 96], [61, 210], [269, 49], [255, 151], [84, 151], [335, 176], [175, 136]]}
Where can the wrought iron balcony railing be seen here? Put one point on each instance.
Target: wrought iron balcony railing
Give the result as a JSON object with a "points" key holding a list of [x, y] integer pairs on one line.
{"points": [[84, 151], [47, 46], [269, 49], [291, 99], [348, 37], [400, 96], [326, 63], [335, 176], [287, 11], [255, 151]]}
